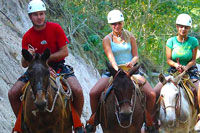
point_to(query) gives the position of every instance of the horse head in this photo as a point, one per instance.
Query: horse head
(39, 76)
(170, 99)
(124, 94)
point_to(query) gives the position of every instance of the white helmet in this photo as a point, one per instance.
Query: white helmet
(35, 6)
(184, 19)
(115, 16)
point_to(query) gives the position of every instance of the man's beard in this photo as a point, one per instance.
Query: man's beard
(39, 26)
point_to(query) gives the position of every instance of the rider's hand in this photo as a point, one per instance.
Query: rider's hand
(31, 50)
(185, 68)
(179, 67)
(129, 64)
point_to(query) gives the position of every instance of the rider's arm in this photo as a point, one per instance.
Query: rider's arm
(61, 53)
(193, 61)
(109, 53)
(169, 58)
(134, 51)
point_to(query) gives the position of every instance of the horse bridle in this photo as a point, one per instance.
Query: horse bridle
(55, 97)
(118, 103)
(177, 106)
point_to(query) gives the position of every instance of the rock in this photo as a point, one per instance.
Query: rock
(14, 22)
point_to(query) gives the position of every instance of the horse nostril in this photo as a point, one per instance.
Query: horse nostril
(125, 117)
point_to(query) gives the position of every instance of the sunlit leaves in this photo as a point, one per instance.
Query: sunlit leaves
(151, 21)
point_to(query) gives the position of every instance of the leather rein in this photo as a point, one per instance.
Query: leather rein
(131, 102)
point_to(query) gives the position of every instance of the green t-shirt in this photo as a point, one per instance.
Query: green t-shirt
(180, 50)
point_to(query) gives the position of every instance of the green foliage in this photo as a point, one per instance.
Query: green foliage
(151, 21)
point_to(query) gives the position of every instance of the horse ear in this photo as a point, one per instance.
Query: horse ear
(111, 69)
(27, 56)
(133, 70)
(162, 79)
(45, 55)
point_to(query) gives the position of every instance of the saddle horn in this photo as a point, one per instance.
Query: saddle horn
(178, 78)
(133, 69)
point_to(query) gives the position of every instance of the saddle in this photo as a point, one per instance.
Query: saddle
(189, 87)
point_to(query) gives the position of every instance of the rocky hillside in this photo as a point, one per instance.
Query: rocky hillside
(14, 22)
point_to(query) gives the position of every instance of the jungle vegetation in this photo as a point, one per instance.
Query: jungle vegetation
(151, 21)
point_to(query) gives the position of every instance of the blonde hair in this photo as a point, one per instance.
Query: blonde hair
(126, 35)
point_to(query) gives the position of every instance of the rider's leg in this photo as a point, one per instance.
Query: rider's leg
(150, 93)
(70, 78)
(150, 101)
(157, 89)
(16, 91)
(197, 126)
(14, 96)
(96, 91)
(78, 99)
(95, 94)
(197, 86)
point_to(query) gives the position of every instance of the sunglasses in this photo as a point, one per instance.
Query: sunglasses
(117, 23)
(183, 26)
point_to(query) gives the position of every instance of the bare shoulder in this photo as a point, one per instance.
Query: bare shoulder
(132, 38)
(106, 39)
(130, 34)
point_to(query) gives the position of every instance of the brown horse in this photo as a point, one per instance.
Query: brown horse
(121, 110)
(44, 109)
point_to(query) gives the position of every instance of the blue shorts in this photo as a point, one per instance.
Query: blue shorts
(65, 70)
(107, 74)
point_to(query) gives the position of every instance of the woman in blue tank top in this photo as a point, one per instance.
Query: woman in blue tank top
(120, 47)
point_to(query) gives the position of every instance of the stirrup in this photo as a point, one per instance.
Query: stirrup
(89, 128)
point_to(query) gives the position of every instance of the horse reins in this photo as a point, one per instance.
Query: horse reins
(124, 101)
(55, 97)
(57, 93)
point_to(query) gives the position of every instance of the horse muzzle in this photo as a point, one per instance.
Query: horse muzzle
(40, 101)
(41, 105)
(125, 110)
(171, 124)
(124, 116)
